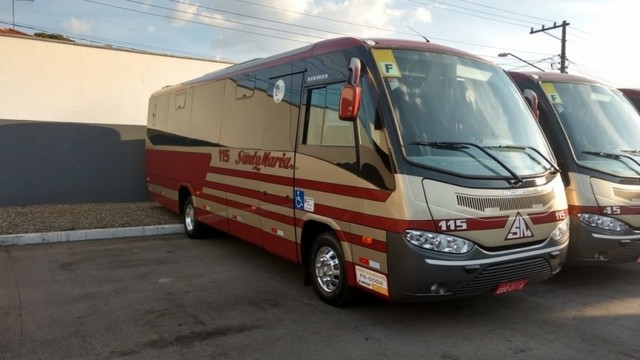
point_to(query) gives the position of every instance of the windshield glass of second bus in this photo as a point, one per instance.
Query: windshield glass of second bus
(602, 126)
(462, 116)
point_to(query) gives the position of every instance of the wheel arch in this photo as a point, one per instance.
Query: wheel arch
(184, 191)
(310, 231)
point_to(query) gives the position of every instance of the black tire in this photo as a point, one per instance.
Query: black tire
(192, 226)
(328, 271)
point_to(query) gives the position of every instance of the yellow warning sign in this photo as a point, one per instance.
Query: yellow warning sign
(386, 63)
(551, 92)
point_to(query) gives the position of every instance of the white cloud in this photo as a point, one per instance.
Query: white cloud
(185, 12)
(78, 26)
(151, 29)
(307, 22)
(421, 15)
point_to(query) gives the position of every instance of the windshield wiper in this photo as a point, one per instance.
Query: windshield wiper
(613, 156)
(632, 152)
(452, 145)
(524, 149)
(441, 144)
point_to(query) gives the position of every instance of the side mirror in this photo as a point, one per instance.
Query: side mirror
(351, 93)
(354, 71)
(349, 102)
(532, 100)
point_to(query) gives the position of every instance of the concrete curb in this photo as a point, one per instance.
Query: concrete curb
(94, 234)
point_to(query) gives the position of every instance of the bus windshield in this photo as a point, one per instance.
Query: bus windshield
(462, 116)
(602, 126)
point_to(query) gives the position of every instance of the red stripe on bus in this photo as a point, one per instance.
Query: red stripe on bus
(548, 217)
(341, 189)
(487, 223)
(575, 209)
(605, 210)
(376, 245)
(191, 167)
(273, 179)
(254, 194)
(213, 198)
(170, 204)
(245, 232)
(164, 182)
(280, 246)
(284, 219)
(243, 206)
(373, 221)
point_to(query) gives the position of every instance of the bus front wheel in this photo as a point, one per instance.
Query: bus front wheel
(328, 271)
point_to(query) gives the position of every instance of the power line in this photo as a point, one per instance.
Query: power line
(249, 16)
(196, 22)
(507, 11)
(119, 44)
(220, 19)
(325, 18)
(464, 13)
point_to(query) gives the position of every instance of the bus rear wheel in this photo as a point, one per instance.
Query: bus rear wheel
(192, 226)
(328, 271)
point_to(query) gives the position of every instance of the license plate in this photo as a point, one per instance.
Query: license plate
(510, 287)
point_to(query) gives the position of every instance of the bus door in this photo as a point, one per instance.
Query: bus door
(326, 172)
(278, 141)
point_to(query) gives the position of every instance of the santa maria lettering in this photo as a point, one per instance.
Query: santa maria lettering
(264, 159)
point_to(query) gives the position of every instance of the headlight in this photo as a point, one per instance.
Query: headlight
(561, 230)
(438, 242)
(602, 222)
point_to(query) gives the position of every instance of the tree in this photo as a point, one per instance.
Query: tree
(52, 36)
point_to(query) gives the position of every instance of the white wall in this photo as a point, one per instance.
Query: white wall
(46, 80)
(73, 119)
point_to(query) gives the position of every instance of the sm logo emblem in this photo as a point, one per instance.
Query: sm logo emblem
(519, 229)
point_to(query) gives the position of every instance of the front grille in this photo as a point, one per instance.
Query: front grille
(480, 203)
(488, 280)
(629, 253)
(626, 194)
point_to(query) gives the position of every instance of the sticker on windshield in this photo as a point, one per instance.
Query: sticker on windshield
(387, 63)
(393, 83)
(552, 94)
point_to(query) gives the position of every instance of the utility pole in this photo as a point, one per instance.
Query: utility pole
(13, 11)
(563, 47)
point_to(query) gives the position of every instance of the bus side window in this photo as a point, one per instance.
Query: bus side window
(375, 162)
(325, 135)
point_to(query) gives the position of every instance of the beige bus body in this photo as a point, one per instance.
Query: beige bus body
(258, 151)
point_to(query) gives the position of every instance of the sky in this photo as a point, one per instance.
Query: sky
(601, 35)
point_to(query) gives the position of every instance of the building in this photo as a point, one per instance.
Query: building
(73, 118)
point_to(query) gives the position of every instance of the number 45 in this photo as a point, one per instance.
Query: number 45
(611, 210)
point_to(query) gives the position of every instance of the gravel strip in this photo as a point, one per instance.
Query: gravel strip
(65, 217)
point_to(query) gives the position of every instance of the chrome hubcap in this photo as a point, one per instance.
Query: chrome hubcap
(189, 218)
(328, 271)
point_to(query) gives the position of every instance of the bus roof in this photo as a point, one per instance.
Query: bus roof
(630, 92)
(324, 47)
(551, 77)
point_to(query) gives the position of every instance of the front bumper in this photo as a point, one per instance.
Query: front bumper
(592, 245)
(419, 275)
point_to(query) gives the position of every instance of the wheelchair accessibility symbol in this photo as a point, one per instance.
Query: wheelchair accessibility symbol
(304, 202)
(299, 199)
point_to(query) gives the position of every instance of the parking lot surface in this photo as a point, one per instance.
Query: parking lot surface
(168, 297)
